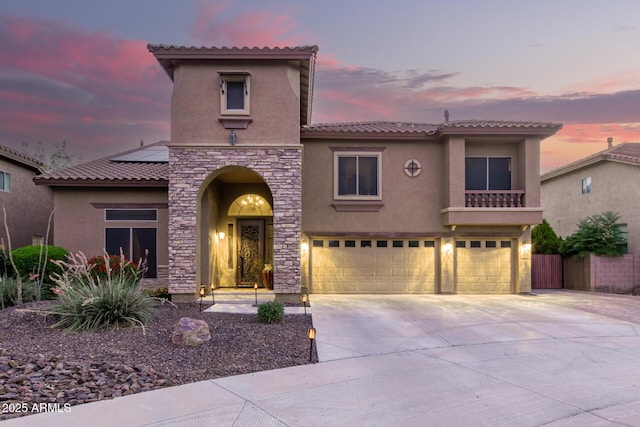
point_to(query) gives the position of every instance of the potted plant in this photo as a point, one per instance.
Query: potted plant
(267, 276)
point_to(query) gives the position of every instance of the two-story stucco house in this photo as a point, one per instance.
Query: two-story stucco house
(247, 180)
(605, 181)
(27, 206)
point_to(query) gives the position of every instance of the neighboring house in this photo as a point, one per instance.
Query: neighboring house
(247, 180)
(28, 206)
(605, 181)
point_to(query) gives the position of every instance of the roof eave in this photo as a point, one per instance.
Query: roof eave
(61, 182)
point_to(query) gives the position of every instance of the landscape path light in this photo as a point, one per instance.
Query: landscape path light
(213, 298)
(201, 296)
(312, 336)
(255, 287)
(304, 298)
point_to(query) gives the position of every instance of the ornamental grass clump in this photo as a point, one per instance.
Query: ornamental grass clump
(90, 302)
(270, 312)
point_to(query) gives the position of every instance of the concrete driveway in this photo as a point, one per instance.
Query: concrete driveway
(557, 359)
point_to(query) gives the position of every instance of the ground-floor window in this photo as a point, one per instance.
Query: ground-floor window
(133, 242)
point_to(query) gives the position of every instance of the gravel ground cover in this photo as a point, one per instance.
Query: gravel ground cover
(39, 364)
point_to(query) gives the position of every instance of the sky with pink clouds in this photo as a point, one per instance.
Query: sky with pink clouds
(79, 70)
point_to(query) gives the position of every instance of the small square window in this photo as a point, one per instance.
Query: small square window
(318, 243)
(429, 244)
(490, 244)
(476, 244)
(334, 243)
(586, 185)
(505, 244)
(381, 243)
(365, 243)
(349, 243)
(461, 244)
(414, 244)
(5, 181)
(398, 244)
(234, 93)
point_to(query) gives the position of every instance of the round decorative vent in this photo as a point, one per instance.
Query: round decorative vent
(412, 167)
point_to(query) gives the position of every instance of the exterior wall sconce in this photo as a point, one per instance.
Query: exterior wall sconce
(525, 251)
(201, 296)
(232, 137)
(213, 298)
(304, 247)
(312, 336)
(221, 235)
(447, 249)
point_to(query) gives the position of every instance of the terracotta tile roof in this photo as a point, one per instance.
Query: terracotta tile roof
(380, 128)
(20, 158)
(107, 172)
(395, 129)
(628, 152)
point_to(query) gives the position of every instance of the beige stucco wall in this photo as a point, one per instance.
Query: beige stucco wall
(28, 206)
(81, 227)
(410, 204)
(274, 104)
(613, 189)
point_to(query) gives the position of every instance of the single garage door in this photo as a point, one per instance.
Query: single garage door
(386, 266)
(483, 266)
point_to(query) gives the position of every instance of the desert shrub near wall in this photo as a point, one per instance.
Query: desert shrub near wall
(89, 303)
(9, 292)
(270, 312)
(158, 293)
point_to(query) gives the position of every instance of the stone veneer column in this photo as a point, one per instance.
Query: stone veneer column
(281, 169)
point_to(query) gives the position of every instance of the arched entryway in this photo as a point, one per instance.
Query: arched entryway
(236, 228)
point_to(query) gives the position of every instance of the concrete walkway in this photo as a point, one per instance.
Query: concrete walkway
(556, 359)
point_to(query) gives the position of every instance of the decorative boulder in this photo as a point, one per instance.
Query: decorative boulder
(190, 332)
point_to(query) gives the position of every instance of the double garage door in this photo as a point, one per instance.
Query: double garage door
(408, 266)
(372, 266)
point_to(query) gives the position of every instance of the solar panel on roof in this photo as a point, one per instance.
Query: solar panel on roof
(155, 154)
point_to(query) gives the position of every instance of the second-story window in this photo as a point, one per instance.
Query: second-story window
(357, 175)
(586, 185)
(488, 173)
(234, 93)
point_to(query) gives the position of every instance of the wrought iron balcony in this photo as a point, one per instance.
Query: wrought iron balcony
(494, 199)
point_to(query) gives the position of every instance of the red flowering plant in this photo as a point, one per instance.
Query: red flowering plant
(106, 267)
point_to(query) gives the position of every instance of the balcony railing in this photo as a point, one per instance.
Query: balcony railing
(494, 199)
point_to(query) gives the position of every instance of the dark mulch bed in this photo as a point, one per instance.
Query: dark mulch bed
(39, 364)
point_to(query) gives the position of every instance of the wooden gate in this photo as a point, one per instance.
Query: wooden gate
(546, 271)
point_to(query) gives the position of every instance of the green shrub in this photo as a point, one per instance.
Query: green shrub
(27, 260)
(162, 293)
(597, 234)
(9, 291)
(88, 303)
(545, 240)
(270, 312)
(118, 265)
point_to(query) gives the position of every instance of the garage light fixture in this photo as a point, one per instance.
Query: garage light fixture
(525, 251)
(447, 249)
(304, 247)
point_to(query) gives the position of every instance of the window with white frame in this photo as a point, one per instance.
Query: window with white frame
(5, 181)
(357, 175)
(134, 242)
(234, 93)
(586, 185)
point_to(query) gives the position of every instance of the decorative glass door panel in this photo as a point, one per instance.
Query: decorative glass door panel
(250, 252)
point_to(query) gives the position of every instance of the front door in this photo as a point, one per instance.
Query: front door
(251, 251)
